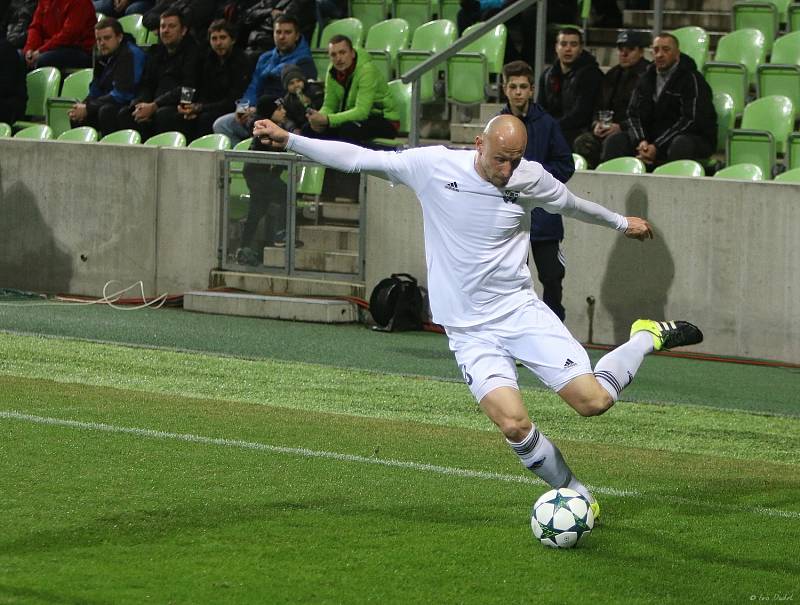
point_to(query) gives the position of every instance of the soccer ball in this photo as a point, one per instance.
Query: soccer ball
(561, 517)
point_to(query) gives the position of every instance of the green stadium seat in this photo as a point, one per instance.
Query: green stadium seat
(152, 38)
(793, 17)
(783, 9)
(5, 129)
(763, 16)
(217, 142)
(726, 118)
(741, 172)
(310, 178)
(733, 69)
(74, 89)
(467, 78)
(781, 76)
(492, 45)
(369, 12)
(790, 176)
(123, 137)
(167, 139)
(384, 40)
(765, 127)
(681, 168)
(42, 84)
(350, 27)
(415, 12)
(580, 162)
(427, 40)
(793, 151)
(41, 132)
(132, 24)
(81, 134)
(627, 165)
(694, 41)
(401, 93)
(448, 9)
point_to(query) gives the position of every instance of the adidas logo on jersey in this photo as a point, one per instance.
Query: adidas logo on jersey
(569, 363)
(452, 186)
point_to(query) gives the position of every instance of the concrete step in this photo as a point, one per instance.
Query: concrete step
(272, 307)
(341, 211)
(313, 260)
(329, 237)
(465, 133)
(708, 20)
(489, 110)
(698, 5)
(284, 285)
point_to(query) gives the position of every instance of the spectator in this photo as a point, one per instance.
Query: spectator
(618, 85)
(16, 20)
(547, 146)
(671, 115)
(301, 94)
(13, 90)
(61, 34)
(569, 87)
(119, 8)
(196, 15)
(472, 11)
(117, 72)
(358, 105)
(171, 64)
(290, 47)
(260, 20)
(223, 79)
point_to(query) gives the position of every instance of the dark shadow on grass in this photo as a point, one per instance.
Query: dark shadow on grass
(26, 595)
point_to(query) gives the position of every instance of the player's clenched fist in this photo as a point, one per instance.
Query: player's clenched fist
(270, 134)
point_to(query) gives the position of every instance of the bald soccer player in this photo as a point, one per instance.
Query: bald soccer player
(476, 206)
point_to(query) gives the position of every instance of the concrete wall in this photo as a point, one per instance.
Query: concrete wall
(726, 256)
(75, 216)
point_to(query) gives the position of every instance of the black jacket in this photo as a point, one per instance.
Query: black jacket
(116, 77)
(222, 82)
(685, 106)
(570, 98)
(165, 73)
(16, 19)
(257, 23)
(13, 91)
(618, 87)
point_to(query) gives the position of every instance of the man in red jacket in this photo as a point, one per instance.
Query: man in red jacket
(61, 34)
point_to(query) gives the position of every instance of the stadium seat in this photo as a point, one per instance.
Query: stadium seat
(415, 12)
(217, 142)
(172, 138)
(726, 118)
(783, 9)
(152, 38)
(580, 162)
(369, 12)
(384, 40)
(81, 134)
(5, 129)
(132, 24)
(467, 78)
(793, 17)
(741, 172)
(733, 69)
(766, 125)
(74, 89)
(42, 84)
(693, 41)
(427, 40)
(763, 16)
(402, 100)
(310, 178)
(492, 45)
(680, 168)
(781, 76)
(448, 9)
(790, 176)
(793, 151)
(41, 132)
(123, 137)
(627, 165)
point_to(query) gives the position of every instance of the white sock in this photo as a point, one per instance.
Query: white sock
(616, 369)
(543, 458)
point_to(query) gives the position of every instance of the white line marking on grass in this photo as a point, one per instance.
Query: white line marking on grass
(307, 453)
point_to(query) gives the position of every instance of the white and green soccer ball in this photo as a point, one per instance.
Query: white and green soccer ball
(561, 518)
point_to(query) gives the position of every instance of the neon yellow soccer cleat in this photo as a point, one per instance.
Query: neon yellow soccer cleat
(595, 506)
(669, 334)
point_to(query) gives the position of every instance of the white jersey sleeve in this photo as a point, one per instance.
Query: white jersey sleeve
(411, 167)
(540, 188)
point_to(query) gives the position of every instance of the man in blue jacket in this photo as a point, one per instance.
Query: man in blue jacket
(118, 70)
(546, 145)
(290, 48)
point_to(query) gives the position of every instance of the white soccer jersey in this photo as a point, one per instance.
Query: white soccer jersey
(476, 235)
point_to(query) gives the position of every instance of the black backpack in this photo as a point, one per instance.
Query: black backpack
(397, 303)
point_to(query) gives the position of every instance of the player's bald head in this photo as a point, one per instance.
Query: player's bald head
(500, 148)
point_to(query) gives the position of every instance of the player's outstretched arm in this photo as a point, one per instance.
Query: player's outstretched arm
(638, 228)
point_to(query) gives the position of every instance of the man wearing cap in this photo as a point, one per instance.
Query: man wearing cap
(617, 90)
(671, 115)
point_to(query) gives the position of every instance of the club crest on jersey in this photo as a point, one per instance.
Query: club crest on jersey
(510, 197)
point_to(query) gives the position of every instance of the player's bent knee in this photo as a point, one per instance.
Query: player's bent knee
(595, 406)
(585, 395)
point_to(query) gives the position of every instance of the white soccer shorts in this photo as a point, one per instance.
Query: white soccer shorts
(487, 353)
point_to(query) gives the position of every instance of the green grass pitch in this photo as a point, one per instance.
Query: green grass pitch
(136, 475)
